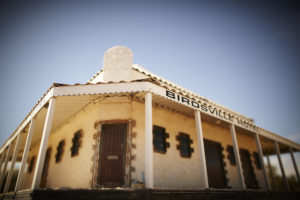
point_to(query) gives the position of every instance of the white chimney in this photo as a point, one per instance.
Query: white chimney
(117, 65)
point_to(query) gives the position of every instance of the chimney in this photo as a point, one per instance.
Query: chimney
(117, 65)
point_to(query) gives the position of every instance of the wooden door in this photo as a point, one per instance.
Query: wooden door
(214, 162)
(45, 168)
(249, 176)
(112, 155)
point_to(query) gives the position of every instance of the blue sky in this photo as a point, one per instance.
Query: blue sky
(241, 54)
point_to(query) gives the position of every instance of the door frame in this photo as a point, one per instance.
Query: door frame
(96, 148)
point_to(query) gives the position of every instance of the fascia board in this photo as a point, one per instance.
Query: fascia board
(109, 88)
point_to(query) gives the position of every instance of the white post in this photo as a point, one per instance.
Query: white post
(25, 156)
(1, 161)
(261, 159)
(43, 146)
(12, 165)
(237, 157)
(203, 167)
(149, 182)
(9, 150)
(295, 164)
(281, 166)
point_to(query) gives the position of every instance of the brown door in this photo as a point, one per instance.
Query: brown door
(112, 155)
(45, 168)
(214, 162)
(249, 176)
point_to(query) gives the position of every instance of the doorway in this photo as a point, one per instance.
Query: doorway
(214, 163)
(112, 155)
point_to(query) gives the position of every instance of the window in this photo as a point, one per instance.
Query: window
(184, 145)
(31, 164)
(159, 139)
(59, 151)
(76, 143)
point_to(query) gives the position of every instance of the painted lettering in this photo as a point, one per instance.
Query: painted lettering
(230, 118)
(185, 100)
(221, 114)
(212, 110)
(195, 104)
(170, 94)
(204, 107)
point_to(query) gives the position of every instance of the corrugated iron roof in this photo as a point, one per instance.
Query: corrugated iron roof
(153, 79)
(184, 91)
(178, 89)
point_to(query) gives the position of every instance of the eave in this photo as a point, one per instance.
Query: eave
(86, 93)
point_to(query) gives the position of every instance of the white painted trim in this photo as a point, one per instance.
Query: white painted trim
(25, 156)
(261, 160)
(12, 165)
(9, 151)
(149, 179)
(43, 146)
(295, 164)
(109, 88)
(237, 157)
(281, 166)
(201, 149)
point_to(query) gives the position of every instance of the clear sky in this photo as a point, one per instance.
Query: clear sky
(244, 55)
